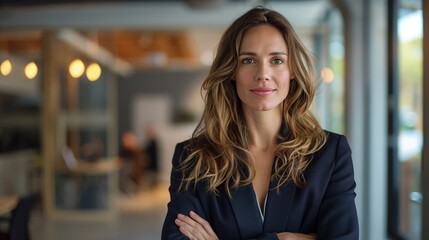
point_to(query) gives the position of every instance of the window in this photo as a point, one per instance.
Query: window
(405, 119)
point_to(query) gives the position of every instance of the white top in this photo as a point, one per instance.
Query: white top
(261, 211)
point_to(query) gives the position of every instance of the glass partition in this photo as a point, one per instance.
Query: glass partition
(405, 120)
(410, 139)
(85, 179)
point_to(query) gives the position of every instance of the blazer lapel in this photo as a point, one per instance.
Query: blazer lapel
(279, 203)
(244, 205)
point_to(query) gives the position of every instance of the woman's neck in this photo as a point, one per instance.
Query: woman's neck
(263, 128)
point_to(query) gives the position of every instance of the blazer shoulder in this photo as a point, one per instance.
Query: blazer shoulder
(180, 152)
(335, 139)
(333, 135)
(336, 144)
(180, 146)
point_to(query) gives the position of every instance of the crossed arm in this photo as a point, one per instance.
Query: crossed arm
(197, 228)
(183, 210)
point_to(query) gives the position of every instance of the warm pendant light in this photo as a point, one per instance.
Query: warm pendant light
(93, 72)
(5, 67)
(76, 68)
(31, 70)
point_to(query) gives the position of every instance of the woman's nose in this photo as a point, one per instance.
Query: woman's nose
(262, 72)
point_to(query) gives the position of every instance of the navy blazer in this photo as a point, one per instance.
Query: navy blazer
(325, 206)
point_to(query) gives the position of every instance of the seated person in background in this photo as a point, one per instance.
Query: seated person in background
(131, 158)
(151, 150)
(93, 150)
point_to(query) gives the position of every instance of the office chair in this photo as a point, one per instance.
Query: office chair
(19, 219)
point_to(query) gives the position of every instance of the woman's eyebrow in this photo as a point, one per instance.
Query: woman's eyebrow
(254, 54)
(247, 53)
(279, 53)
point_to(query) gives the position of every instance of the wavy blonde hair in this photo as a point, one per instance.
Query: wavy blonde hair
(218, 152)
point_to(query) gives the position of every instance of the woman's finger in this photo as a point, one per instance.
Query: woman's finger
(184, 228)
(187, 233)
(190, 228)
(204, 224)
(195, 227)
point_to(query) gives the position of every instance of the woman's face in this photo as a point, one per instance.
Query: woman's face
(262, 75)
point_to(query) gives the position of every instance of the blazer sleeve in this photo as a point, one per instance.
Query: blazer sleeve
(337, 217)
(180, 201)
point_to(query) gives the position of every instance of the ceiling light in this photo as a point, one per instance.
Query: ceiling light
(5, 67)
(93, 72)
(31, 70)
(76, 68)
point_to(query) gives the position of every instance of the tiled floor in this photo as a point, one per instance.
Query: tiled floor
(141, 217)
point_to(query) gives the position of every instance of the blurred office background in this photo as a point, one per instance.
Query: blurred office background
(76, 76)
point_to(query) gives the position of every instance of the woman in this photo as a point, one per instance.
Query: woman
(259, 166)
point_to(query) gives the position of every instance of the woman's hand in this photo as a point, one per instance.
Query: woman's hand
(296, 236)
(195, 227)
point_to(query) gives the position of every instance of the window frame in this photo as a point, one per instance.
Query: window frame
(393, 214)
(393, 125)
(425, 154)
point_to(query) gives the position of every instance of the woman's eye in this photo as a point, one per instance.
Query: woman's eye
(278, 61)
(247, 61)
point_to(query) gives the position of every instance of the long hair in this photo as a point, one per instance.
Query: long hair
(217, 152)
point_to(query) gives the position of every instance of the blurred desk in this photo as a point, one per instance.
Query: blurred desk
(7, 204)
(102, 166)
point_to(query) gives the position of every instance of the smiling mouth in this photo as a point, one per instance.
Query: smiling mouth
(262, 92)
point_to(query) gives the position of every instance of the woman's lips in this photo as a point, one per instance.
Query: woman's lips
(262, 91)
